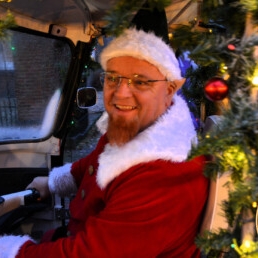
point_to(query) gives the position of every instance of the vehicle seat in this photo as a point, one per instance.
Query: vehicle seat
(214, 215)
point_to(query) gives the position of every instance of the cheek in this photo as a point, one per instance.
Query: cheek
(162, 103)
(153, 108)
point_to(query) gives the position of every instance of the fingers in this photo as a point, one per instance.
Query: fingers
(41, 184)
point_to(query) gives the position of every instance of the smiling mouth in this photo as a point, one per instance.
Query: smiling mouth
(125, 107)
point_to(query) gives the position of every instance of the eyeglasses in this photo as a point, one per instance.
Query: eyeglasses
(137, 82)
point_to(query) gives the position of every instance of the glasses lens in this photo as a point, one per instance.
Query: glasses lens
(109, 79)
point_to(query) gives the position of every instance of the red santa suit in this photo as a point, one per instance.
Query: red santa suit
(141, 199)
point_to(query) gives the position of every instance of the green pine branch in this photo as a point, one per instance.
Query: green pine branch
(7, 23)
(215, 243)
(119, 17)
(233, 145)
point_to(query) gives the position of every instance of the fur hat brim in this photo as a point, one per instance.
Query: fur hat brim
(146, 46)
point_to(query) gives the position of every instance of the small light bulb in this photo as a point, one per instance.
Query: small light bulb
(247, 244)
(255, 80)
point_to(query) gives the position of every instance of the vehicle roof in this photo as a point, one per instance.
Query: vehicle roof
(74, 15)
(81, 18)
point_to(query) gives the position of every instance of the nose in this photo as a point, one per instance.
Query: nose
(124, 89)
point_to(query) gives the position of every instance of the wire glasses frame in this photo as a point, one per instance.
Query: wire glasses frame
(113, 81)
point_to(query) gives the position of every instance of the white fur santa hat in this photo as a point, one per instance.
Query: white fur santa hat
(146, 40)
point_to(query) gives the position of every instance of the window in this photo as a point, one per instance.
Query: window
(33, 70)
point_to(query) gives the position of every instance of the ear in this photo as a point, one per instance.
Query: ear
(178, 83)
(175, 85)
(172, 88)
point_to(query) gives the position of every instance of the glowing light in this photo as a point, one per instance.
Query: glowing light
(255, 80)
(231, 47)
(254, 204)
(235, 154)
(247, 244)
(248, 247)
(223, 68)
(255, 76)
(226, 76)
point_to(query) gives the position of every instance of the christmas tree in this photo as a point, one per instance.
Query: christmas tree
(223, 43)
(226, 46)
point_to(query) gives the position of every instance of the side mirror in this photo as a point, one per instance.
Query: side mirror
(86, 97)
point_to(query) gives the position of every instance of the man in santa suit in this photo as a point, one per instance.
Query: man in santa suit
(137, 195)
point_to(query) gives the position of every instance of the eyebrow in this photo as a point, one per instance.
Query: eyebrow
(140, 76)
(108, 71)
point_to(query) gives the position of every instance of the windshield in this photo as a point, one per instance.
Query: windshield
(33, 69)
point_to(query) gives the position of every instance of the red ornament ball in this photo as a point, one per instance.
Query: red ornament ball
(216, 89)
(231, 47)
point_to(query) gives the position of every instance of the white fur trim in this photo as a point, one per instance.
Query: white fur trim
(146, 46)
(102, 122)
(10, 245)
(61, 181)
(170, 138)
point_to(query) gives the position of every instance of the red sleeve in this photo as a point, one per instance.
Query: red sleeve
(150, 211)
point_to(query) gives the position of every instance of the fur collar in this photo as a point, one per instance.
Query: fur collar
(170, 138)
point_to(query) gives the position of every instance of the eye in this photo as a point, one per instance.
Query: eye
(112, 78)
(140, 82)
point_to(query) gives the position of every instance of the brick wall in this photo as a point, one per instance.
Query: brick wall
(38, 72)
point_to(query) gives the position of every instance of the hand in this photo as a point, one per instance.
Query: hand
(41, 184)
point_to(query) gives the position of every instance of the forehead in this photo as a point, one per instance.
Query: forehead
(131, 65)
